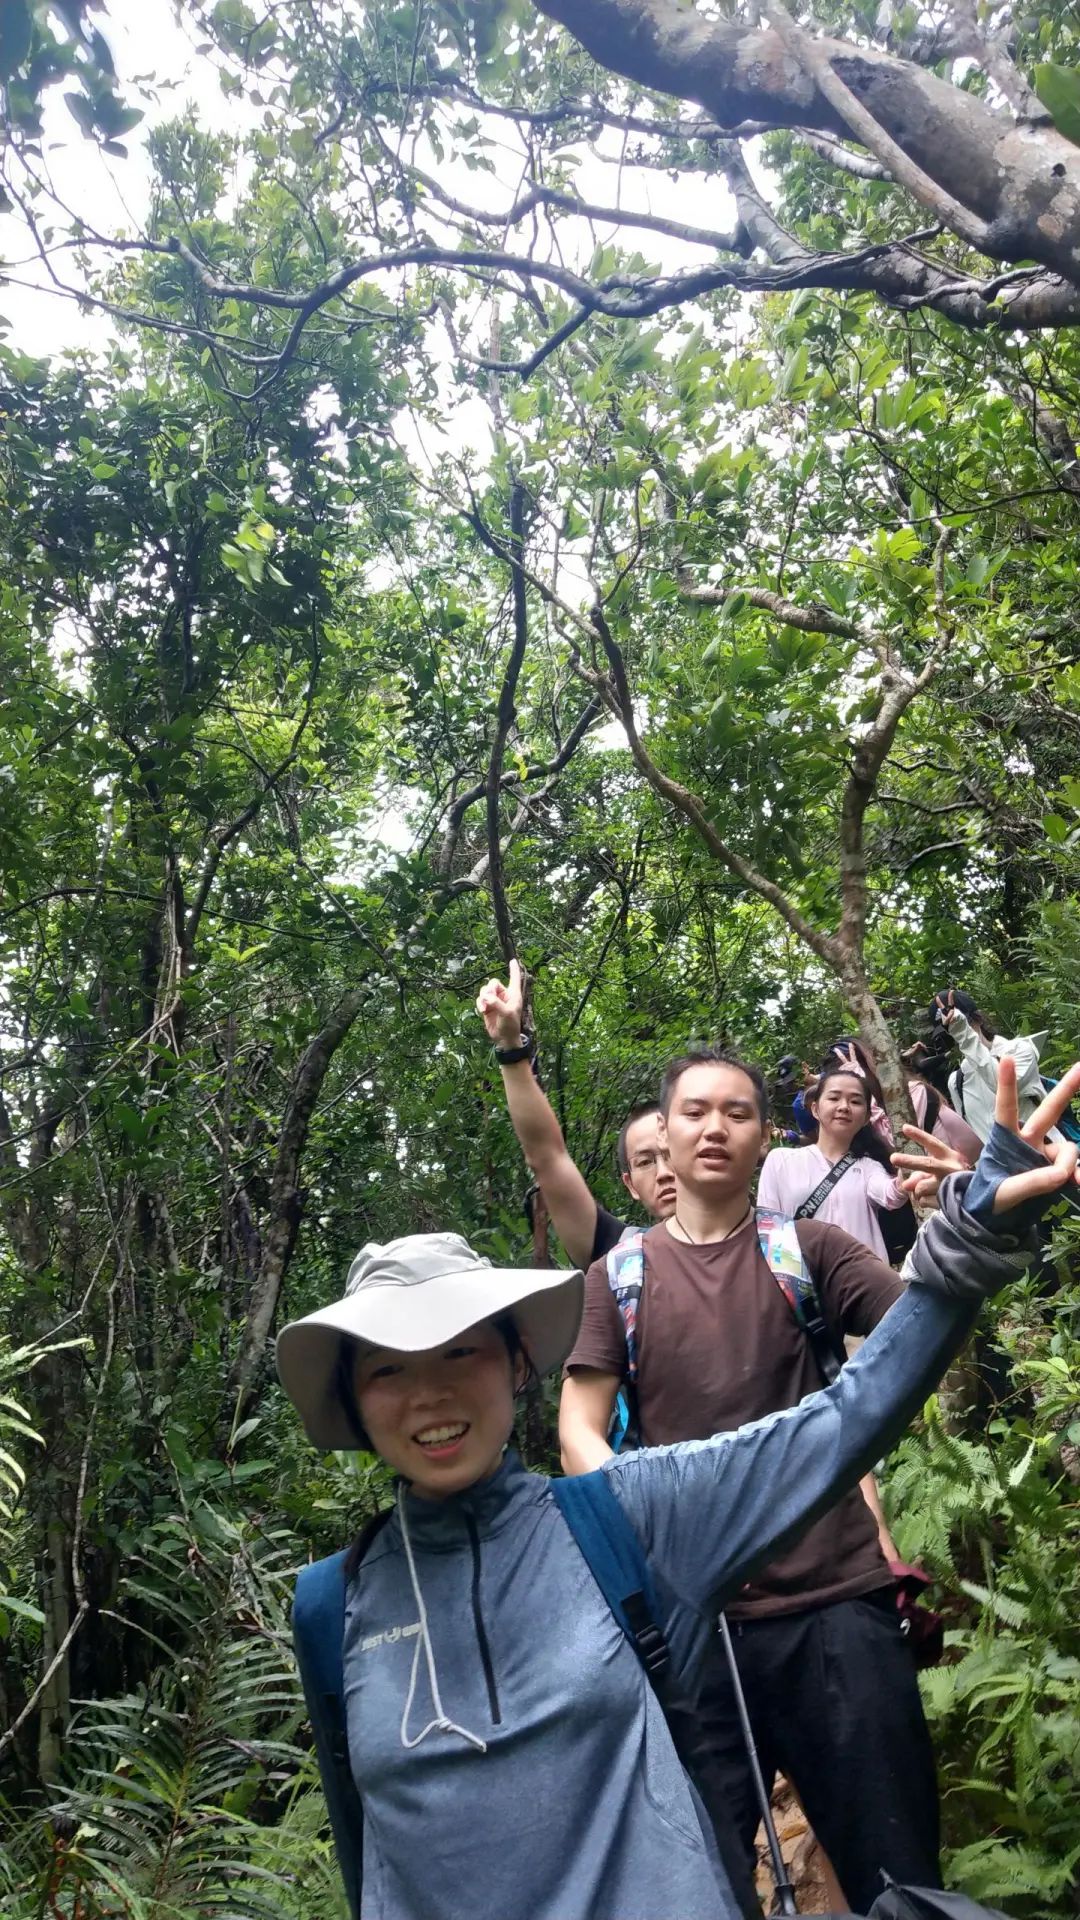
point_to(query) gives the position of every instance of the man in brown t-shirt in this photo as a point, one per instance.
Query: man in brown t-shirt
(829, 1679)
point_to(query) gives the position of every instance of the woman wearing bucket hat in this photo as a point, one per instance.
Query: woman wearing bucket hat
(488, 1737)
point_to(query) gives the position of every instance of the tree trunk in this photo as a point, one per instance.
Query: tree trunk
(286, 1197)
(878, 1038)
(55, 1705)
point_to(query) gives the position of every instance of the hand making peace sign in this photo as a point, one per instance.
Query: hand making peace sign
(924, 1172)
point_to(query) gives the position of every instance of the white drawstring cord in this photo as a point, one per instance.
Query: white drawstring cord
(440, 1722)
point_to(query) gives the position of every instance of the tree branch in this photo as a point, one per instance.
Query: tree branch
(862, 123)
(225, 835)
(1018, 188)
(286, 1203)
(691, 808)
(814, 619)
(540, 770)
(504, 720)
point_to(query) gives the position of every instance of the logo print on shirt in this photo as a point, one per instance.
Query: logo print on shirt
(388, 1639)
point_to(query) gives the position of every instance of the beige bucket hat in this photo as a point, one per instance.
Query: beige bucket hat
(415, 1293)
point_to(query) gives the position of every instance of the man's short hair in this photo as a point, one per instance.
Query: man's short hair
(714, 1057)
(640, 1112)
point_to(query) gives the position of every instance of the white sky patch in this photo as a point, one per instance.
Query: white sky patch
(112, 196)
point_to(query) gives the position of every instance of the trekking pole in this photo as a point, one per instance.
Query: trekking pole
(785, 1892)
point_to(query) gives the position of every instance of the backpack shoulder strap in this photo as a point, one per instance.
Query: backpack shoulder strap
(318, 1635)
(609, 1544)
(318, 1622)
(616, 1559)
(778, 1239)
(626, 1277)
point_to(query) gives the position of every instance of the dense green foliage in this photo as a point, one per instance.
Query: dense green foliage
(253, 653)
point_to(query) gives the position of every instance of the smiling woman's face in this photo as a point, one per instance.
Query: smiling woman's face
(842, 1106)
(440, 1418)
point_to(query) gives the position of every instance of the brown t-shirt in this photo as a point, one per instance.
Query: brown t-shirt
(718, 1345)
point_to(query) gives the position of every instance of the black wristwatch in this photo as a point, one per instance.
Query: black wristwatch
(509, 1056)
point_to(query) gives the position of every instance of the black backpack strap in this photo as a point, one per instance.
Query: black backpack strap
(817, 1199)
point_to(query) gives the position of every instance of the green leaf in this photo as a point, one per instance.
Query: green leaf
(82, 110)
(21, 1608)
(1059, 90)
(131, 1121)
(793, 374)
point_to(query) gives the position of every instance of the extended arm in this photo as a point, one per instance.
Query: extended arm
(569, 1202)
(711, 1511)
(977, 1061)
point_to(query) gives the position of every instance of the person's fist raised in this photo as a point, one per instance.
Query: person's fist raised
(501, 1008)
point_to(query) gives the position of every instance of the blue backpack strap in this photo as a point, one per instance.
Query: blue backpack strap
(626, 1278)
(779, 1242)
(609, 1544)
(616, 1559)
(318, 1620)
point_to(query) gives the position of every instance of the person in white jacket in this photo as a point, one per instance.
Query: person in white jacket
(973, 1084)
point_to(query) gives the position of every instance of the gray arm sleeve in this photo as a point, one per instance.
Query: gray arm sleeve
(709, 1512)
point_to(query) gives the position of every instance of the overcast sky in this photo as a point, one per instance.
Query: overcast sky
(112, 194)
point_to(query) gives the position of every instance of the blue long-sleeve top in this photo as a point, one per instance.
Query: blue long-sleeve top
(549, 1789)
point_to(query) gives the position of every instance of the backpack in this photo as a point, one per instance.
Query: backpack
(782, 1254)
(1067, 1123)
(612, 1551)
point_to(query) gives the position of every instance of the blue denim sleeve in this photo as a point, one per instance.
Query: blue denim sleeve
(996, 1162)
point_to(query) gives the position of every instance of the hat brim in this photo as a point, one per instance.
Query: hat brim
(545, 1304)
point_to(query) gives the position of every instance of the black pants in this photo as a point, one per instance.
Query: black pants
(834, 1704)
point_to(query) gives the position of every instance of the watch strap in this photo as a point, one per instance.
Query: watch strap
(509, 1056)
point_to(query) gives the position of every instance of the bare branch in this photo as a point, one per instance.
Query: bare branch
(542, 196)
(862, 123)
(538, 771)
(691, 808)
(286, 1198)
(1016, 191)
(814, 619)
(504, 720)
(842, 157)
